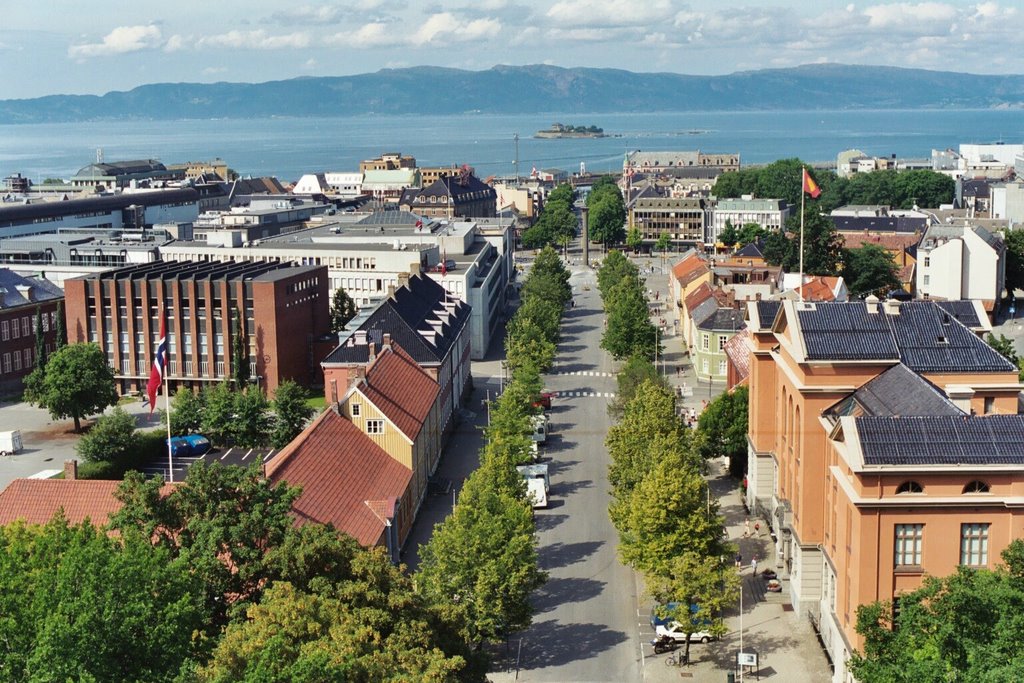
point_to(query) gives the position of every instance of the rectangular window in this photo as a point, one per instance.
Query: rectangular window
(723, 367)
(5, 330)
(15, 330)
(927, 261)
(356, 408)
(28, 357)
(908, 545)
(17, 361)
(46, 322)
(53, 319)
(707, 367)
(927, 279)
(974, 545)
(375, 426)
(7, 362)
(26, 325)
(705, 341)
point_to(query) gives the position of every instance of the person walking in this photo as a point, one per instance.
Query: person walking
(746, 528)
(753, 566)
(739, 560)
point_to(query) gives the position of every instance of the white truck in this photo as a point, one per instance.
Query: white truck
(537, 483)
(10, 442)
(540, 428)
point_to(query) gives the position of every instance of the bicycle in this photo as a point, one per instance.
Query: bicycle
(676, 659)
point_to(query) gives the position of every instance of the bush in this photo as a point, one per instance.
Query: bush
(110, 439)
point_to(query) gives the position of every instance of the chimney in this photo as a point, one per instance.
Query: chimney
(391, 291)
(403, 278)
(373, 351)
(71, 470)
(386, 344)
(334, 394)
(414, 268)
(871, 302)
(357, 375)
(892, 307)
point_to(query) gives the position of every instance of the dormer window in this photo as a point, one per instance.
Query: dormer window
(976, 486)
(909, 487)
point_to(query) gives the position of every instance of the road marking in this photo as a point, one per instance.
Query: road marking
(248, 453)
(267, 456)
(226, 453)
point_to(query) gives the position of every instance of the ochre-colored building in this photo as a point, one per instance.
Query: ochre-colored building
(884, 444)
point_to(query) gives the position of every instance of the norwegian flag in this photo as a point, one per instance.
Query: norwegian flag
(156, 373)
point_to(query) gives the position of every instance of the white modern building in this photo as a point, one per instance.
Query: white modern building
(961, 263)
(768, 213)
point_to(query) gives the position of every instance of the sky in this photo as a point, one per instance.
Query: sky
(75, 47)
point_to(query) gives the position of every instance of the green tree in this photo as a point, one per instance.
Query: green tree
(40, 361)
(330, 634)
(629, 330)
(1014, 260)
(80, 605)
(1004, 346)
(607, 220)
(723, 429)
(77, 383)
(708, 582)
(61, 337)
(634, 239)
(664, 242)
(823, 247)
(33, 382)
(252, 424)
(223, 522)
(528, 344)
(635, 371)
(291, 413)
(218, 413)
(111, 439)
(343, 309)
(870, 269)
(669, 513)
(729, 235)
(750, 232)
(963, 627)
(481, 563)
(240, 372)
(615, 268)
(186, 411)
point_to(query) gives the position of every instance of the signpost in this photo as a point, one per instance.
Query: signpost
(747, 661)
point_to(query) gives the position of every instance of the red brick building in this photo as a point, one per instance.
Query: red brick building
(283, 308)
(20, 297)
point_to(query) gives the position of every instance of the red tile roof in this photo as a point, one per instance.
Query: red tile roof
(691, 267)
(739, 353)
(853, 240)
(37, 500)
(347, 480)
(817, 289)
(400, 389)
(698, 296)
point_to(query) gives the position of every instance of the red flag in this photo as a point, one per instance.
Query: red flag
(156, 373)
(811, 187)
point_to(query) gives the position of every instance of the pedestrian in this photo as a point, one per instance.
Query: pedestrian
(746, 528)
(753, 565)
(739, 560)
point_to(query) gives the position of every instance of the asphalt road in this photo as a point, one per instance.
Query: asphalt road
(585, 626)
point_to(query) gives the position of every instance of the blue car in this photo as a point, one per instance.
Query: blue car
(191, 445)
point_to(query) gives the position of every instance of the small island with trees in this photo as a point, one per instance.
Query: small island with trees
(558, 130)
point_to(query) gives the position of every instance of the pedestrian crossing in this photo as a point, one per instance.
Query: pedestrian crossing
(583, 373)
(584, 394)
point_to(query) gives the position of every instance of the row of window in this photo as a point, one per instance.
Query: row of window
(973, 545)
(15, 361)
(14, 328)
(705, 342)
(912, 486)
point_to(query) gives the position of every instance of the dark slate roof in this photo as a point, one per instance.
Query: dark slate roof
(41, 290)
(942, 440)
(754, 249)
(115, 168)
(766, 312)
(963, 311)
(931, 341)
(409, 317)
(908, 224)
(724, 319)
(846, 331)
(897, 391)
(10, 214)
(925, 337)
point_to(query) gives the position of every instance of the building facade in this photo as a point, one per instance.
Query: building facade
(770, 214)
(684, 220)
(957, 262)
(20, 299)
(462, 195)
(282, 309)
(871, 452)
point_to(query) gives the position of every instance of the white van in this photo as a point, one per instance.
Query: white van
(538, 484)
(540, 428)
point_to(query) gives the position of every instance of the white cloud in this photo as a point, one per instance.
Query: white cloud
(439, 28)
(213, 70)
(570, 14)
(174, 43)
(310, 64)
(901, 15)
(255, 40)
(119, 41)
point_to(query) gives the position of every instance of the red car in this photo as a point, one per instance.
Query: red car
(544, 401)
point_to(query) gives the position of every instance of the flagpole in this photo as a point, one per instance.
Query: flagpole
(803, 172)
(170, 450)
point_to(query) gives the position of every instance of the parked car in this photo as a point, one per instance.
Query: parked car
(191, 445)
(544, 401)
(668, 607)
(674, 631)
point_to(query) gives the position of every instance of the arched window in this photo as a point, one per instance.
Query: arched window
(976, 486)
(909, 487)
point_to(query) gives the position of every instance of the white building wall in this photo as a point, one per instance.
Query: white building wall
(940, 271)
(981, 269)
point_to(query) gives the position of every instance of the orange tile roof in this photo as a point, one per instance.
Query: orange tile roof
(816, 290)
(853, 240)
(37, 500)
(400, 389)
(739, 353)
(689, 269)
(347, 480)
(698, 296)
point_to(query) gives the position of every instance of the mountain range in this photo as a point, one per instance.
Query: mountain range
(536, 88)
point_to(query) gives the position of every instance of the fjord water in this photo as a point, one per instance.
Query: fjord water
(290, 147)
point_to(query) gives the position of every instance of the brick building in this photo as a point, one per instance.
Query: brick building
(20, 297)
(284, 309)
